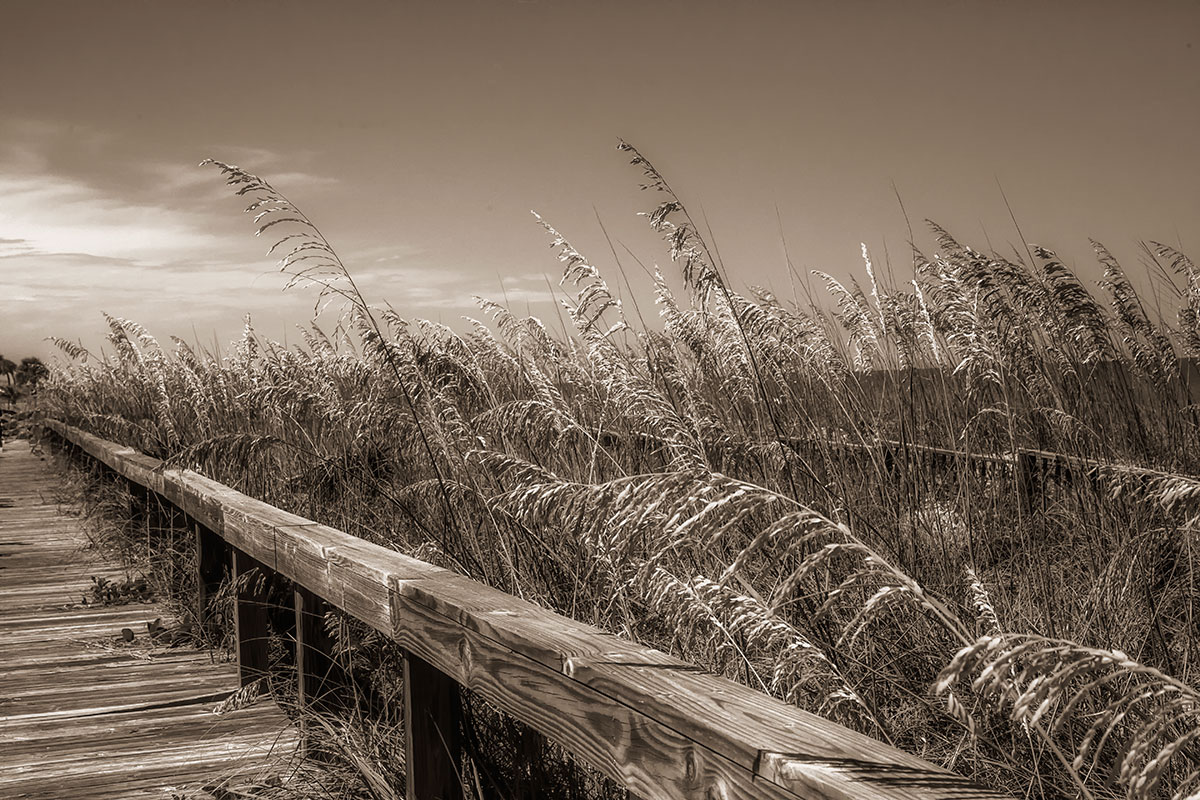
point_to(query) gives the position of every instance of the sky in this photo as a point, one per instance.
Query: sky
(419, 136)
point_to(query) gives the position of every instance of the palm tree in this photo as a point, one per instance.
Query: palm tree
(7, 368)
(31, 371)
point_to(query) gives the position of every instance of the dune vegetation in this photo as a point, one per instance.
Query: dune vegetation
(736, 478)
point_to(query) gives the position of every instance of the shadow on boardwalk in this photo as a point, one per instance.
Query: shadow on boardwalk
(82, 715)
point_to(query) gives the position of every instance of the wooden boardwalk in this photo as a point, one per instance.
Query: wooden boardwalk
(656, 725)
(84, 714)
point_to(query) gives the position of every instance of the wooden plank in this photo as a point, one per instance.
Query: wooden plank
(531, 754)
(779, 743)
(250, 524)
(212, 564)
(34, 739)
(665, 732)
(348, 572)
(432, 746)
(149, 770)
(1080, 465)
(546, 637)
(82, 713)
(84, 700)
(198, 497)
(251, 616)
(625, 744)
(321, 683)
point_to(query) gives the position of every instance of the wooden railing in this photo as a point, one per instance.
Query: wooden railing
(654, 724)
(1033, 470)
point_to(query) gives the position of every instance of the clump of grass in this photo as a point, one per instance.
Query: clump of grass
(106, 592)
(745, 485)
(158, 560)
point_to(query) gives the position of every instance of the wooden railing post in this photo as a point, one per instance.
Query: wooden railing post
(251, 582)
(432, 713)
(531, 752)
(211, 560)
(139, 503)
(319, 677)
(889, 461)
(1027, 480)
(160, 514)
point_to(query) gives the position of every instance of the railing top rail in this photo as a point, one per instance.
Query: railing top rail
(1076, 462)
(650, 721)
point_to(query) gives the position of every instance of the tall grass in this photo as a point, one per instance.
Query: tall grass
(678, 483)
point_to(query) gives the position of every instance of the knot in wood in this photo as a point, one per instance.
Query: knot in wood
(464, 655)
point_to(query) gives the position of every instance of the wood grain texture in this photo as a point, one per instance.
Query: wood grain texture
(82, 713)
(212, 566)
(432, 720)
(319, 676)
(530, 751)
(631, 747)
(655, 724)
(251, 616)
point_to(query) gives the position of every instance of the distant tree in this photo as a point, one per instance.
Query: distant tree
(7, 368)
(10, 394)
(31, 371)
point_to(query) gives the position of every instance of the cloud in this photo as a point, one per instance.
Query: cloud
(56, 214)
(14, 247)
(62, 280)
(86, 225)
(167, 181)
(63, 294)
(75, 189)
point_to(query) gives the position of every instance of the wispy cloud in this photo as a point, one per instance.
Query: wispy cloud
(58, 214)
(86, 225)
(74, 282)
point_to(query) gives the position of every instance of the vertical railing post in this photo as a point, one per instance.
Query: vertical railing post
(889, 461)
(530, 754)
(319, 677)
(251, 581)
(139, 503)
(160, 516)
(212, 558)
(432, 713)
(1027, 480)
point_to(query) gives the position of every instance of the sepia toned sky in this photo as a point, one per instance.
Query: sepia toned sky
(420, 135)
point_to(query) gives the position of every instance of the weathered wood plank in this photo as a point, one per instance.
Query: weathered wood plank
(252, 627)
(82, 713)
(174, 723)
(321, 683)
(146, 768)
(630, 747)
(432, 748)
(212, 565)
(346, 571)
(529, 629)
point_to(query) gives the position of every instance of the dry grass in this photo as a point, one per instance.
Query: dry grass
(648, 480)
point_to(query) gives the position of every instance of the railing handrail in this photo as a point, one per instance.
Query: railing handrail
(653, 723)
(1007, 459)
